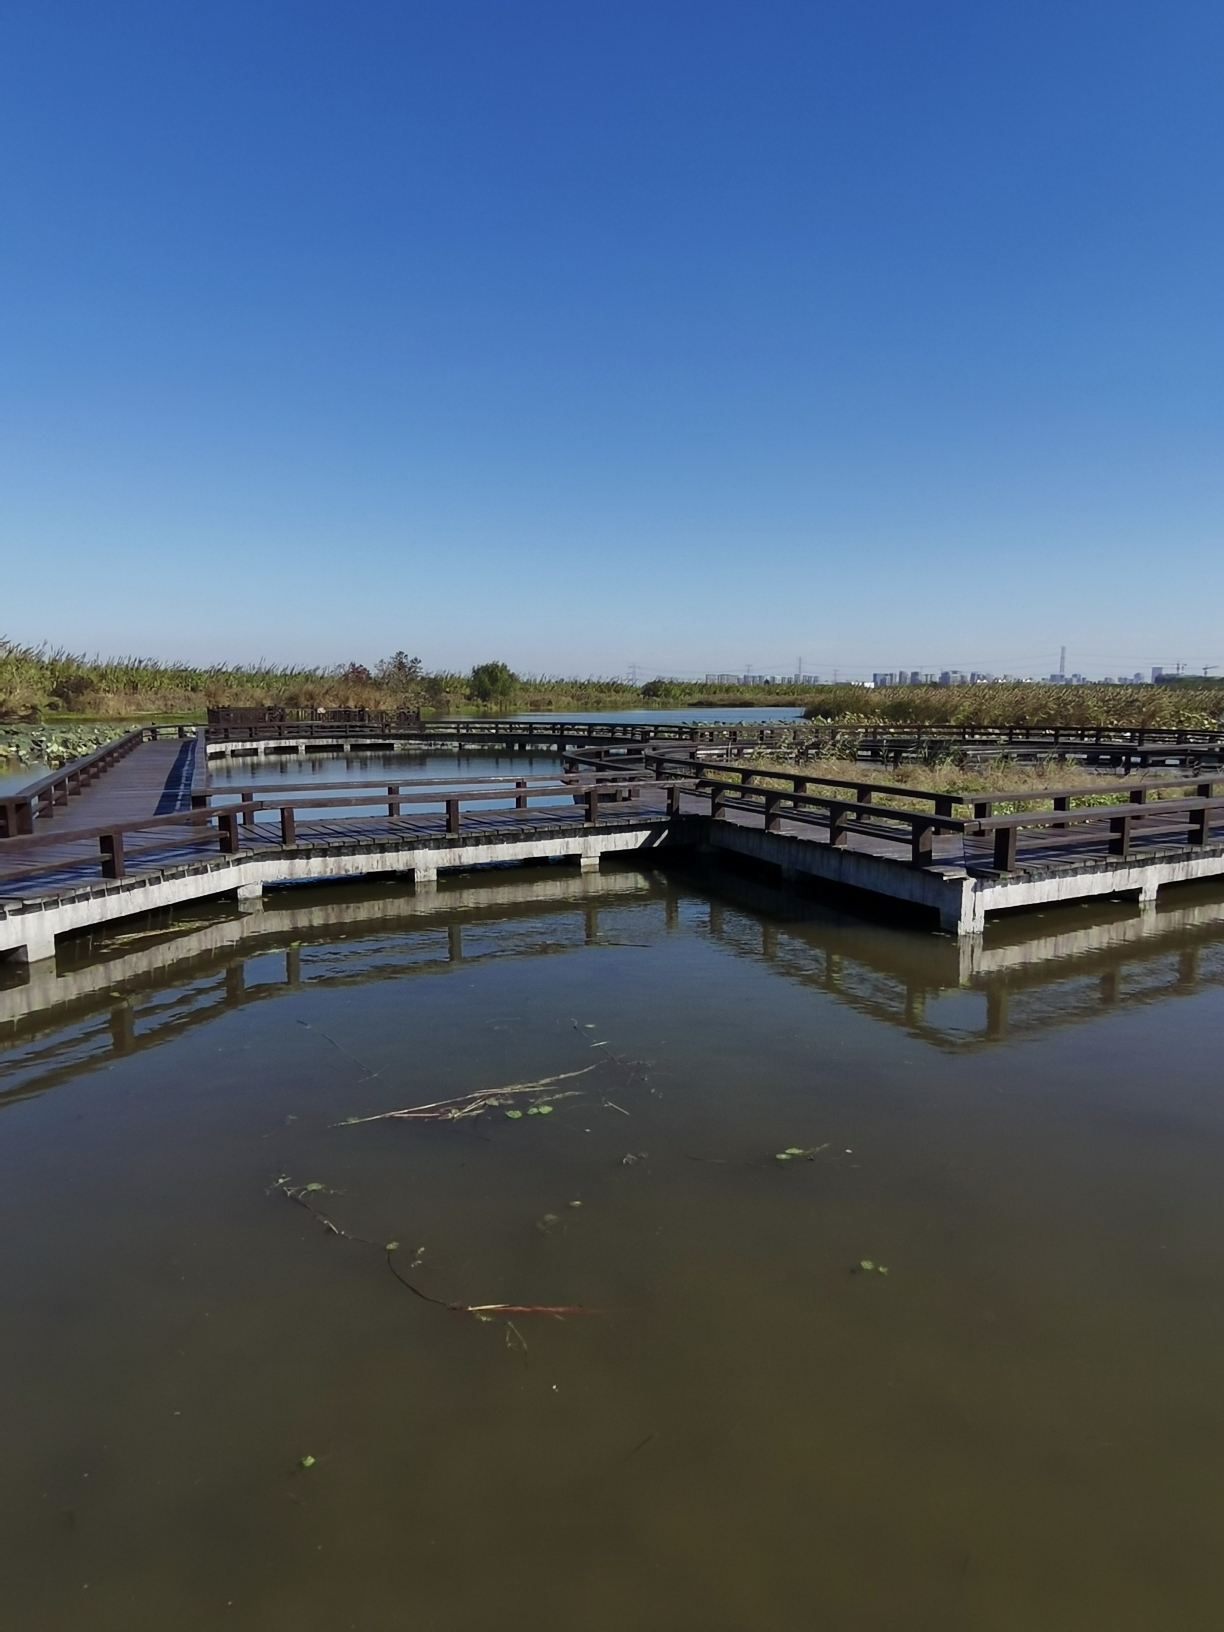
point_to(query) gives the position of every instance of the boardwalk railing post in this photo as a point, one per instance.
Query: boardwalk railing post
(1005, 849)
(520, 798)
(111, 846)
(452, 815)
(592, 805)
(1120, 835)
(718, 803)
(1199, 824)
(393, 804)
(839, 824)
(288, 827)
(922, 850)
(772, 819)
(248, 814)
(227, 827)
(673, 799)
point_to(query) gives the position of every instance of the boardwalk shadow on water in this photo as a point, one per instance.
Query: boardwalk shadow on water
(225, 1410)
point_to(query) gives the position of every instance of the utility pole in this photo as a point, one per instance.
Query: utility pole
(1062, 662)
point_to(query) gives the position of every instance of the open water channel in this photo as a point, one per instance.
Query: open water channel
(223, 1406)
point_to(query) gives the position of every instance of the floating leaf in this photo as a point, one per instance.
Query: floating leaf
(514, 1115)
(533, 1110)
(575, 1204)
(311, 1188)
(392, 1246)
(783, 1156)
(308, 1461)
(866, 1263)
(793, 1150)
(544, 1110)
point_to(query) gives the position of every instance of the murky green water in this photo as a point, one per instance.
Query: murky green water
(1019, 1426)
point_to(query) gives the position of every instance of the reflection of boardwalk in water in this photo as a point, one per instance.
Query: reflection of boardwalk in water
(133, 990)
(973, 994)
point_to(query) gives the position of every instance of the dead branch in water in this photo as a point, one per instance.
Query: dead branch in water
(473, 1104)
(301, 1192)
(483, 1311)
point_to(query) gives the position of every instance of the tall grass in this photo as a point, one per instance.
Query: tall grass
(41, 683)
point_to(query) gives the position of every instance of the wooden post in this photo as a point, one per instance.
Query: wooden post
(839, 824)
(1005, 849)
(111, 846)
(1138, 796)
(452, 815)
(1061, 804)
(227, 827)
(248, 813)
(673, 799)
(943, 804)
(922, 842)
(1120, 834)
(393, 804)
(772, 819)
(718, 804)
(288, 827)
(592, 804)
(1200, 824)
(520, 798)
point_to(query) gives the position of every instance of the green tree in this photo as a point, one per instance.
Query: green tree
(493, 683)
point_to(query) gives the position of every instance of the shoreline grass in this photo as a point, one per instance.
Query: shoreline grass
(44, 685)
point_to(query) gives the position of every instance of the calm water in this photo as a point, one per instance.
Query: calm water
(1019, 1426)
(295, 770)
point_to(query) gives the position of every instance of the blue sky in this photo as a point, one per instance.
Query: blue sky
(582, 335)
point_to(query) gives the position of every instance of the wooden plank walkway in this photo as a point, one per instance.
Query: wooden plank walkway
(58, 868)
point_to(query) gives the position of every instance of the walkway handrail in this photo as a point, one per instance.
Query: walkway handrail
(982, 804)
(20, 809)
(866, 817)
(229, 818)
(233, 790)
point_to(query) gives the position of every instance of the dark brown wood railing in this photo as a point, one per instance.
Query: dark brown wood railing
(39, 801)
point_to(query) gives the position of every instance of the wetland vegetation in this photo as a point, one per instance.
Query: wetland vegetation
(39, 684)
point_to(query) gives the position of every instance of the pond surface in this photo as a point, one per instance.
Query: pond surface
(222, 1412)
(294, 770)
(14, 776)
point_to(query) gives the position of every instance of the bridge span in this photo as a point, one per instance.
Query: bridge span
(142, 829)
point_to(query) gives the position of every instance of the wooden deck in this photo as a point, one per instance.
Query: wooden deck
(148, 832)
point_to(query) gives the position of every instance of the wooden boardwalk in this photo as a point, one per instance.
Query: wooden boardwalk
(148, 834)
(153, 780)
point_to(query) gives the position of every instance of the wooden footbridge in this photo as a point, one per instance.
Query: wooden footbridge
(246, 733)
(137, 827)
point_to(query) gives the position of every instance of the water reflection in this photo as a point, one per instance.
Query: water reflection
(155, 978)
(1018, 1426)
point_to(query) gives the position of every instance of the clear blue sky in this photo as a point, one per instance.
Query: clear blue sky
(690, 335)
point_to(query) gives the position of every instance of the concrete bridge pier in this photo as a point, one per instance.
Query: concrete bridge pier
(39, 944)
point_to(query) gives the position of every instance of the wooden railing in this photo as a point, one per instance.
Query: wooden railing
(491, 732)
(40, 850)
(1117, 823)
(39, 801)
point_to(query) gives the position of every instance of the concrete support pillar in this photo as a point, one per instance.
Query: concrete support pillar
(424, 877)
(250, 897)
(962, 913)
(1147, 897)
(588, 864)
(39, 942)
